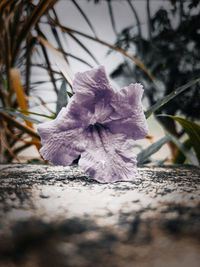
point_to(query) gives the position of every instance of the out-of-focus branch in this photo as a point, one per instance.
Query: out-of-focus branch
(112, 16)
(137, 62)
(149, 20)
(85, 17)
(138, 23)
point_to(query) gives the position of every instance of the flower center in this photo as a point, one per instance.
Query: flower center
(93, 120)
(96, 127)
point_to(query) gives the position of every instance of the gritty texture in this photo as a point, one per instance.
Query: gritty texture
(57, 216)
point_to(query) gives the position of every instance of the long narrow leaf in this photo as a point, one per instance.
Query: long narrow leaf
(34, 17)
(46, 68)
(77, 58)
(55, 33)
(21, 148)
(49, 68)
(29, 112)
(149, 20)
(8, 148)
(186, 152)
(4, 4)
(59, 60)
(28, 64)
(180, 156)
(136, 18)
(193, 131)
(138, 24)
(85, 17)
(19, 138)
(84, 48)
(112, 16)
(137, 62)
(169, 97)
(42, 103)
(56, 36)
(20, 126)
(62, 97)
(17, 86)
(7, 52)
(18, 150)
(16, 27)
(146, 153)
(19, 115)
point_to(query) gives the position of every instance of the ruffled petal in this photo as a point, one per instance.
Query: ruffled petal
(96, 124)
(62, 139)
(91, 82)
(93, 91)
(108, 157)
(128, 117)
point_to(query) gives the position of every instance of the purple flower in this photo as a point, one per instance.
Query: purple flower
(96, 125)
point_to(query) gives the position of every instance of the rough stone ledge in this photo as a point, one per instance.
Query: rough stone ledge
(58, 216)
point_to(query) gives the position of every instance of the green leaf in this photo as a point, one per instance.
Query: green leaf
(169, 97)
(193, 131)
(187, 153)
(180, 157)
(62, 98)
(18, 115)
(69, 94)
(28, 112)
(146, 153)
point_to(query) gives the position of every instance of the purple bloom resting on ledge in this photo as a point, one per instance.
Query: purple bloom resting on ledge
(96, 125)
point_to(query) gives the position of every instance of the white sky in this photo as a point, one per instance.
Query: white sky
(99, 16)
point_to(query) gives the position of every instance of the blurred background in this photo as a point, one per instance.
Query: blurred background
(154, 42)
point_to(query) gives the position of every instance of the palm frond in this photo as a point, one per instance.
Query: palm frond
(59, 60)
(85, 17)
(137, 62)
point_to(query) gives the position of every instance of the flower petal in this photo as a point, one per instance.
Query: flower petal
(108, 157)
(91, 82)
(128, 117)
(62, 139)
(92, 87)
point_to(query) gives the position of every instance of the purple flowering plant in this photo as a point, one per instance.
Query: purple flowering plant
(97, 125)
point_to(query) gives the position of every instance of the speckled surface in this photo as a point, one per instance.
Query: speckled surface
(57, 216)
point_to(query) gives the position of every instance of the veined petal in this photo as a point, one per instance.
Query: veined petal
(108, 157)
(128, 117)
(92, 87)
(91, 82)
(62, 139)
(96, 124)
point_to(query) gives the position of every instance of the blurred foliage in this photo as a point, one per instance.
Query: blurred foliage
(17, 20)
(170, 51)
(193, 131)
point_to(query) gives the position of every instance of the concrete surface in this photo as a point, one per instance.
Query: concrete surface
(58, 216)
